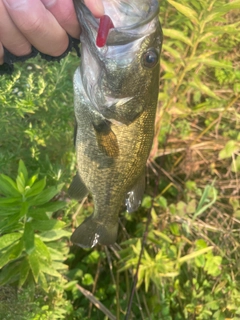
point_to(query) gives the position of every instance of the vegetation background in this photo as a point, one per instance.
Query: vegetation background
(189, 221)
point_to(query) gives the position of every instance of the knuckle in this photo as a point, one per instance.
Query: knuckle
(31, 26)
(67, 16)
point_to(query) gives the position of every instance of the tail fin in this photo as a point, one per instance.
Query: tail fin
(93, 231)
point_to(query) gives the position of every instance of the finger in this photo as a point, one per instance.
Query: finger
(65, 14)
(10, 37)
(1, 54)
(96, 7)
(38, 25)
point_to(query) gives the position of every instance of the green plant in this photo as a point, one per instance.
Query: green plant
(36, 104)
(29, 250)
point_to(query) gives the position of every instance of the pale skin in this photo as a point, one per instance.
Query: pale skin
(41, 23)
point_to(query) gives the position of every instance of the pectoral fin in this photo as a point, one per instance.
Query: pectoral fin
(135, 195)
(106, 138)
(77, 189)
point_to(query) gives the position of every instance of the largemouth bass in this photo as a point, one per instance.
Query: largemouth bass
(115, 97)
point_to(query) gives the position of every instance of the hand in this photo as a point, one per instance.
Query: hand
(41, 23)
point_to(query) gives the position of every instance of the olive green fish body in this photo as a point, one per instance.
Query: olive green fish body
(114, 133)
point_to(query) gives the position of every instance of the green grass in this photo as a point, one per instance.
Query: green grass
(189, 266)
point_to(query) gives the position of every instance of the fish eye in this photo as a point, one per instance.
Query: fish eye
(150, 58)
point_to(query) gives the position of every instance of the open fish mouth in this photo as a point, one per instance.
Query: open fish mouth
(128, 21)
(121, 38)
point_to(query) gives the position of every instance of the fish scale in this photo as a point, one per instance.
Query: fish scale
(115, 113)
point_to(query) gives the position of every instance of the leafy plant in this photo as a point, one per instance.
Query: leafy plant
(27, 230)
(35, 105)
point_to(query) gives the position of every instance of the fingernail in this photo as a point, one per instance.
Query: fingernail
(99, 7)
(16, 5)
(48, 3)
(96, 7)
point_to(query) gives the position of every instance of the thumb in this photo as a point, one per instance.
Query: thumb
(96, 7)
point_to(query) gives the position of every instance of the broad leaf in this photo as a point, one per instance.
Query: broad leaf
(11, 253)
(10, 201)
(8, 239)
(10, 273)
(36, 188)
(23, 170)
(28, 237)
(52, 206)
(54, 235)
(10, 211)
(45, 225)
(21, 183)
(43, 281)
(50, 270)
(32, 180)
(33, 259)
(24, 271)
(8, 187)
(42, 251)
(11, 224)
(45, 196)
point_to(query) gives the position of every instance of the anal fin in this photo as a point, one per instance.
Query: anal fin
(77, 189)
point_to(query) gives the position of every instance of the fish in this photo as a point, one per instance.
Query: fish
(116, 90)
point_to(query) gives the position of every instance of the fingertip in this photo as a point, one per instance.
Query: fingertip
(96, 7)
(15, 5)
(65, 14)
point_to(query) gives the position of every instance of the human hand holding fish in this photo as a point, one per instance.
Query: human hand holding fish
(44, 24)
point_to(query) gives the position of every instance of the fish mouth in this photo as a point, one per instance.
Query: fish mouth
(129, 33)
(122, 44)
(121, 34)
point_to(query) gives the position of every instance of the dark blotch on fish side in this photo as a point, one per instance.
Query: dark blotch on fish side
(106, 138)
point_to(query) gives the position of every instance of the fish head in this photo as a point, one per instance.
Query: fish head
(119, 75)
